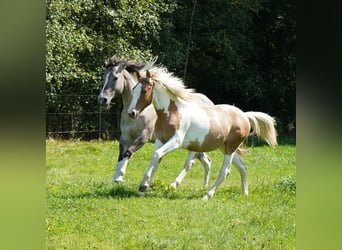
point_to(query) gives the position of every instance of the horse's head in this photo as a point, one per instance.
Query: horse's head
(113, 81)
(142, 95)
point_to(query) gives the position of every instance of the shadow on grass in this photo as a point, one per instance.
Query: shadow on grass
(122, 191)
(158, 189)
(115, 192)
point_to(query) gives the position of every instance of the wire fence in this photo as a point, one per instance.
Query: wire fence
(87, 125)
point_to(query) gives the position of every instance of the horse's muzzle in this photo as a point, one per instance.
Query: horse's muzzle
(102, 100)
(133, 114)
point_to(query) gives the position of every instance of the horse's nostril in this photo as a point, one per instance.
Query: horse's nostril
(102, 100)
(132, 114)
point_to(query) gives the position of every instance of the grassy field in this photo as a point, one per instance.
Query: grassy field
(85, 211)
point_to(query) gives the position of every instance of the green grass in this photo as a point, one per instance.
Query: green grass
(85, 211)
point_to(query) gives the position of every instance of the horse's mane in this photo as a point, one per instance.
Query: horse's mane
(130, 65)
(167, 80)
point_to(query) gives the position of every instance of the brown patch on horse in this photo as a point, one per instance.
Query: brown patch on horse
(237, 134)
(146, 94)
(167, 124)
(217, 132)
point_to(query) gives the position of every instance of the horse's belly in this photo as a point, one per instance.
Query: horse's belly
(203, 142)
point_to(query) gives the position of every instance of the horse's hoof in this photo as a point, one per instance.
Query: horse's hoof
(143, 189)
(141, 193)
(205, 198)
(174, 185)
(118, 180)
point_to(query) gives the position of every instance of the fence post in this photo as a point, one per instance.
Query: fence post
(72, 125)
(100, 120)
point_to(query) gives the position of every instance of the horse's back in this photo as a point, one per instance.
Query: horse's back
(237, 117)
(201, 99)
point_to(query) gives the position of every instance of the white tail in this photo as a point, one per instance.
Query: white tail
(263, 126)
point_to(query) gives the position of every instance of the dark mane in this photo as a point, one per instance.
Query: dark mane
(114, 61)
(130, 65)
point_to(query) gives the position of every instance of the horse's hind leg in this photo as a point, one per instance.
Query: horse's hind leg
(187, 165)
(241, 166)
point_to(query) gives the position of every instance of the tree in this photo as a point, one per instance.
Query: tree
(242, 53)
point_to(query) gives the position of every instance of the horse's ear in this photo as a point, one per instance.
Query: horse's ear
(122, 66)
(114, 59)
(148, 74)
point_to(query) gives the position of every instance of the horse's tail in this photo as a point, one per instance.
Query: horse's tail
(263, 126)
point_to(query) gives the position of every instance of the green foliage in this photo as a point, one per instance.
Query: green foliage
(239, 52)
(85, 211)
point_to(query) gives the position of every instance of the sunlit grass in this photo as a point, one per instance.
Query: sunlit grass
(85, 211)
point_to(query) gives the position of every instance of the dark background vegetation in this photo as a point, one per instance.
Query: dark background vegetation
(238, 52)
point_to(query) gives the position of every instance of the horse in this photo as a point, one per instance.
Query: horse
(120, 77)
(182, 124)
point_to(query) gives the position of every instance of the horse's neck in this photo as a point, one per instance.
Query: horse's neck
(128, 89)
(161, 99)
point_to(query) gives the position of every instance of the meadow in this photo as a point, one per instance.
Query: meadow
(85, 211)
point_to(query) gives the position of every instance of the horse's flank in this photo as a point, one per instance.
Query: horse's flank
(216, 136)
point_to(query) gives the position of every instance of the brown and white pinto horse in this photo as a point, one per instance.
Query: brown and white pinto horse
(183, 124)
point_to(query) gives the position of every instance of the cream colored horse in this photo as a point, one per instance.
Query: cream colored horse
(183, 124)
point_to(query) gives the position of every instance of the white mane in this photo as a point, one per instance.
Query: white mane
(173, 84)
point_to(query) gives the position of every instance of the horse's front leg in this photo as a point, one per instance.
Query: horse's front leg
(224, 172)
(159, 152)
(126, 153)
(187, 166)
(205, 160)
(121, 165)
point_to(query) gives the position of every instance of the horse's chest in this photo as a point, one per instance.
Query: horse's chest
(166, 125)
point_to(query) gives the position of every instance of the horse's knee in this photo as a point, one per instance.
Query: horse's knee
(157, 156)
(128, 153)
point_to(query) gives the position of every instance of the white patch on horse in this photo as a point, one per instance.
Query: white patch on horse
(135, 98)
(198, 128)
(106, 81)
(161, 101)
